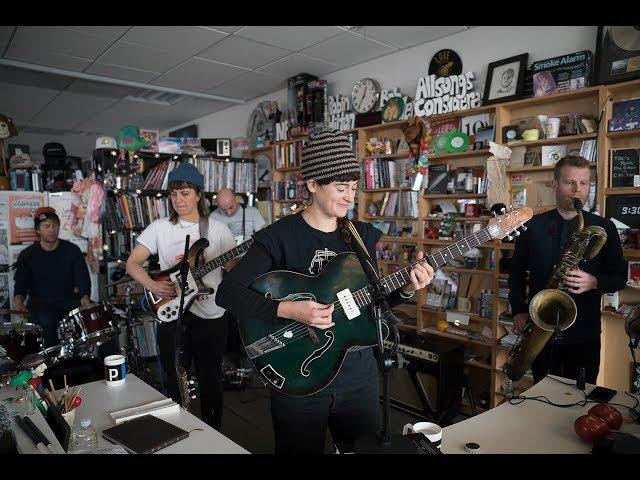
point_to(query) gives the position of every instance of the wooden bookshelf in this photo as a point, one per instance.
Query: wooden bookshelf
(554, 141)
(288, 169)
(622, 191)
(458, 155)
(389, 189)
(454, 196)
(537, 168)
(624, 133)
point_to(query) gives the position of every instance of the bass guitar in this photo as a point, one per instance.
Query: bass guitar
(298, 359)
(166, 310)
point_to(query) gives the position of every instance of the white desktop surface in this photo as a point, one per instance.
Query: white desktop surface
(532, 426)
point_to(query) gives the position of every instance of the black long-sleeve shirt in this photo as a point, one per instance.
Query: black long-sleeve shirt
(52, 276)
(292, 244)
(540, 248)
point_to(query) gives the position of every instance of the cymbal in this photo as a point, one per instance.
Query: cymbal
(126, 278)
(6, 311)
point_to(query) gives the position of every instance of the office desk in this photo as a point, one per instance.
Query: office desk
(532, 426)
(98, 400)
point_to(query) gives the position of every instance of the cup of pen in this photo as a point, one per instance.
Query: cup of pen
(66, 401)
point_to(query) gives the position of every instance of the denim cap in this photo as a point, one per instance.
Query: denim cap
(186, 172)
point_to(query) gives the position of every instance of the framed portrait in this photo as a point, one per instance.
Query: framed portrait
(505, 79)
(617, 54)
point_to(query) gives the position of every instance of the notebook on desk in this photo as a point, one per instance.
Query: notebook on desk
(146, 434)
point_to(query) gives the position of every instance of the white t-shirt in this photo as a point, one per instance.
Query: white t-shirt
(253, 221)
(167, 240)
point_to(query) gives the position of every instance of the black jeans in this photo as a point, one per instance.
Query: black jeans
(300, 423)
(564, 360)
(204, 340)
(48, 315)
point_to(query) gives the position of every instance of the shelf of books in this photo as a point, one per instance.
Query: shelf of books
(619, 198)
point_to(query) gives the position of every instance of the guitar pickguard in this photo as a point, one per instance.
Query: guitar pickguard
(317, 353)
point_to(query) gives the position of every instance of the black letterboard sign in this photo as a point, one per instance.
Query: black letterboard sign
(625, 163)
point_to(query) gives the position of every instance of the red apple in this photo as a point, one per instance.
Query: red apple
(589, 427)
(609, 414)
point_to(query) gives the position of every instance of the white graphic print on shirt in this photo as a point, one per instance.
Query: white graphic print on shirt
(320, 260)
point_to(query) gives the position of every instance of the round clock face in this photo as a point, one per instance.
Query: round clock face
(365, 95)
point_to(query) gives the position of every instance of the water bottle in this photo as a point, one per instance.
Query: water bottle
(85, 437)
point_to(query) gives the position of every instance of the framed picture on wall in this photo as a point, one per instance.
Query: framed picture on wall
(617, 54)
(505, 79)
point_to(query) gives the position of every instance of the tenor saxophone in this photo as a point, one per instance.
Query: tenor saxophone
(553, 310)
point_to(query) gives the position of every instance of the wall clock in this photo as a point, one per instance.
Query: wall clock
(365, 95)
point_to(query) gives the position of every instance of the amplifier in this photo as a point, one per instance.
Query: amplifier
(431, 381)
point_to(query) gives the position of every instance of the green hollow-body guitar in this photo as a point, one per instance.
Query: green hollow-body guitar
(299, 360)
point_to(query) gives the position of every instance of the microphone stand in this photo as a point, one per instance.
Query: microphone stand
(381, 442)
(184, 272)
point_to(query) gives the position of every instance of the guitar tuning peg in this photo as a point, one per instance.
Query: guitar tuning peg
(517, 233)
(510, 207)
(502, 210)
(493, 213)
(193, 397)
(524, 227)
(509, 237)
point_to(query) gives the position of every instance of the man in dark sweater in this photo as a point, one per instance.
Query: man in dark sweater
(53, 273)
(540, 248)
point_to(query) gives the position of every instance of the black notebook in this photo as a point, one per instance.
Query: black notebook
(146, 434)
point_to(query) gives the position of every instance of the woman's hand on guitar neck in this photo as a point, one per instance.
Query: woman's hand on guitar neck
(420, 275)
(163, 289)
(308, 312)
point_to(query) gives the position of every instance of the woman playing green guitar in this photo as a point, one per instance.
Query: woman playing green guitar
(316, 357)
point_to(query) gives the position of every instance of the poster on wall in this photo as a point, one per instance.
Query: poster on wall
(61, 203)
(22, 206)
(4, 243)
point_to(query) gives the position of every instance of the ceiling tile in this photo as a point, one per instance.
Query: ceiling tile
(250, 85)
(347, 49)
(69, 109)
(12, 99)
(227, 28)
(138, 56)
(242, 52)
(5, 33)
(31, 54)
(407, 36)
(125, 112)
(197, 74)
(118, 71)
(297, 63)
(197, 107)
(60, 40)
(184, 39)
(290, 37)
(102, 30)
(100, 89)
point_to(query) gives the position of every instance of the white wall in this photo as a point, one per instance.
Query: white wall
(477, 48)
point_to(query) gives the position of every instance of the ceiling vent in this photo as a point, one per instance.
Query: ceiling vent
(154, 96)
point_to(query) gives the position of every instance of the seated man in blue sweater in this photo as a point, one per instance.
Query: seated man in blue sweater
(54, 275)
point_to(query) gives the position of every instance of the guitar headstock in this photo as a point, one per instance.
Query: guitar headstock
(188, 388)
(508, 222)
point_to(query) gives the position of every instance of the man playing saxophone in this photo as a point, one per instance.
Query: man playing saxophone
(540, 248)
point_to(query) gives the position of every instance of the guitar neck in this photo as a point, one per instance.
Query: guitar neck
(437, 259)
(222, 259)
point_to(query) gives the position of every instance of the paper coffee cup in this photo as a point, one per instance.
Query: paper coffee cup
(115, 370)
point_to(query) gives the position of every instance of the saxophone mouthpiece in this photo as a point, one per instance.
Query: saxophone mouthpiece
(577, 204)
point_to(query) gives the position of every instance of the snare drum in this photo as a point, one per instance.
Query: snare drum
(87, 326)
(54, 354)
(20, 339)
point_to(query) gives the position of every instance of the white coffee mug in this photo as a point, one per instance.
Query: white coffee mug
(115, 370)
(432, 431)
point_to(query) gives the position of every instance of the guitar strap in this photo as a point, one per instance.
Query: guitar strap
(204, 227)
(356, 235)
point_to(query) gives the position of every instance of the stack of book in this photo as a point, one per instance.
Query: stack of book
(130, 211)
(589, 150)
(384, 173)
(399, 204)
(289, 154)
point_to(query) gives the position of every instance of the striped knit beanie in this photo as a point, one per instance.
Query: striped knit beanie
(327, 154)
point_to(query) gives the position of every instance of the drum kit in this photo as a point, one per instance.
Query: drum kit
(81, 330)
